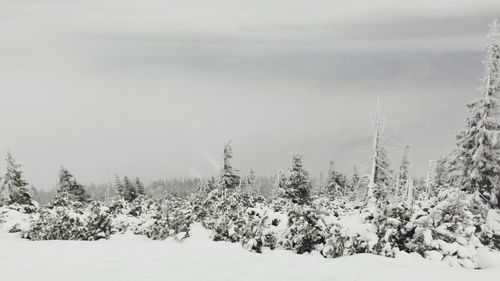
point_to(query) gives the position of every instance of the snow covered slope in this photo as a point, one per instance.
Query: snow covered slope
(134, 258)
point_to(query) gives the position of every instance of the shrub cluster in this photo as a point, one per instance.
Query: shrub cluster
(450, 227)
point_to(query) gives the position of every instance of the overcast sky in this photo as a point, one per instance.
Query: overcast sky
(155, 88)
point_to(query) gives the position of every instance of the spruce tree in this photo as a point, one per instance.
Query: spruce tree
(475, 163)
(380, 178)
(248, 182)
(15, 188)
(140, 187)
(252, 178)
(336, 182)
(384, 173)
(355, 179)
(65, 179)
(403, 169)
(4, 194)
(211, 184)
(409, 195)
(281, 182)
(206, 186)
(440, 177)
(297, 187)
(120, 189)
(70, 187)
(229, 175)
(129, 192)
(429, 183)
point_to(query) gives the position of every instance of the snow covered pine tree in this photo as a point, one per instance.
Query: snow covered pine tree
(380, 174)
(70, 187)
(403, 171)
(126, 189)
(336, 182)
(298, 185)
(140, 187)
(475, 163)
(15, 188)
(229, 175)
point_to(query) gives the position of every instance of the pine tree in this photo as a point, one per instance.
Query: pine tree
(4, 194)
(129, 190)
(252, 178)
(403, 170)
(475, 163)
(120, 188)
(139, 187)
(355, 179)
(297, 187)
(248, 182)
(205, 187)
(211, 184)
(380, 176)
(281, 182)
(336, 182)
(15, 188)
(65, 179)
(229, 175)
(409, 192)
(428, 180)
(69, 186)
(440, 176)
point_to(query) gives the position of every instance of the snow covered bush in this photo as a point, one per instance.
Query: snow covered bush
(205, 206)
(237, 217)
(490, 235)
(98, 223)
(167, 218)
(223, 212)
(341, 243)
(180, 218)
(274, 226)
(253, 232)
(62, 199)
(337, 207)
(306, 230)
(393, 230)
(350, 234)
(230, 219)
(279, 205)
(262, 228)
(67, 223)
(158, 229)
(128, 216)
(118, 206)
(58, 223)
(447, 230)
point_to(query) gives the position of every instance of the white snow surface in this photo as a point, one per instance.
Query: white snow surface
(130, 257)
(488, 259)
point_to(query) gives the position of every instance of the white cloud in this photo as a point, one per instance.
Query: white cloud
(186, 24)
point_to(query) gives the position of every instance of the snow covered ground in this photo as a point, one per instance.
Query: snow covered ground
(129, 257)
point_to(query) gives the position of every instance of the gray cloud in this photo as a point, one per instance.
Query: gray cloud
(155, 88)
